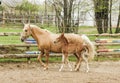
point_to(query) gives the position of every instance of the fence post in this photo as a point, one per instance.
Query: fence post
(3, 18)
(28, 58)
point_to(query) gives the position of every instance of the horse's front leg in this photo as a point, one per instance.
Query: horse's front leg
(47, 59)
(39, 58)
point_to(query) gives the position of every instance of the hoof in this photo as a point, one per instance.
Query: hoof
(75, 66)
(46, 68)
(60, 70)
(76, 70)
(71, 70)
(87, 71)
(43, 65)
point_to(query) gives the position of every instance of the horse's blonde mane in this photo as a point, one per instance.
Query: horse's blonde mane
(34, 26)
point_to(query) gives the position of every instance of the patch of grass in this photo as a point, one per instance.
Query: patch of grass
(10, 30)
(8, 60)
(101, 58)
(87, 30)
(50, 28)
(10, 40)
(51, 59)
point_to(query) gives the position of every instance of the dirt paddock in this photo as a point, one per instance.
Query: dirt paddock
(100, 72)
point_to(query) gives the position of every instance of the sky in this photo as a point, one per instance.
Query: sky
(14, 2)
(37, 1)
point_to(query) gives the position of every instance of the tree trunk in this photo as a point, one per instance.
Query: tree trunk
(3, 17)
(101, 15)
(105, 14)
(98, 19)
(65, 16)
(118, 22)
(69, 17)
(110, 17)
(65, 20)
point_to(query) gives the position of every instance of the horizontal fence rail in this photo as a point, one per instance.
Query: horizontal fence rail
(18, 45)
(10, 34)
(108, 53)
(107, 44)
(26, 55)
(98, 35)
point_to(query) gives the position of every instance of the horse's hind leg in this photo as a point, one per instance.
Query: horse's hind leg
(76, 55)
(40, 60)
(79, 63)
(86, 61)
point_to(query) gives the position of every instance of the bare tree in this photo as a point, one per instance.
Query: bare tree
(118, 22)
(63, 9)
(101, 8)
(110, 23)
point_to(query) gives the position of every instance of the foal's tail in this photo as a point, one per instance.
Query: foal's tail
(90, 46)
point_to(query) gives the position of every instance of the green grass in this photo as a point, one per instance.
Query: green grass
(56, 59)
(13, 60)
(103, 58)
(10, 40)
(51, 59)
(10, 29)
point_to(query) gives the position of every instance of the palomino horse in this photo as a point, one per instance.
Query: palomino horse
(80, 51)
(45, 40)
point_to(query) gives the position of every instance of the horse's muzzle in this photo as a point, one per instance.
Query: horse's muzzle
(55, 42)
(22, 40)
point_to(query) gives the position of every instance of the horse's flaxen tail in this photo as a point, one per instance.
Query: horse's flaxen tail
(91, 48)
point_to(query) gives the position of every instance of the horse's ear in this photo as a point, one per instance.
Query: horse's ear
(62, 34)
(23, 23)
(29, 25)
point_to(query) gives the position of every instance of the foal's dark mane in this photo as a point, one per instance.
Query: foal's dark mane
(65, 40)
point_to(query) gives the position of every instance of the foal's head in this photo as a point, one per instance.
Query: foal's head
(61, 39)
(26, 32)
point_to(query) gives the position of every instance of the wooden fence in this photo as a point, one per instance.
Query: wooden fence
(32, 18)
(28, 46)
(107, 45)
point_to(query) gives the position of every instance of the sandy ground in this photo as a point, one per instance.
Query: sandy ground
(100, 72)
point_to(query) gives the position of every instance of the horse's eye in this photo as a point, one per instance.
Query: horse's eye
(25, 30)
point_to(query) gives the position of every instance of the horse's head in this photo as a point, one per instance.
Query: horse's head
(26, 32)
(58, 39)
(61, 39)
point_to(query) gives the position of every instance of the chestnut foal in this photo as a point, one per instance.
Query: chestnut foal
(67, 48)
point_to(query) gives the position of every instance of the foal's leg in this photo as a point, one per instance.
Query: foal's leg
(39, 58)
(69, 65)
(66, 61)
(63, 62)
